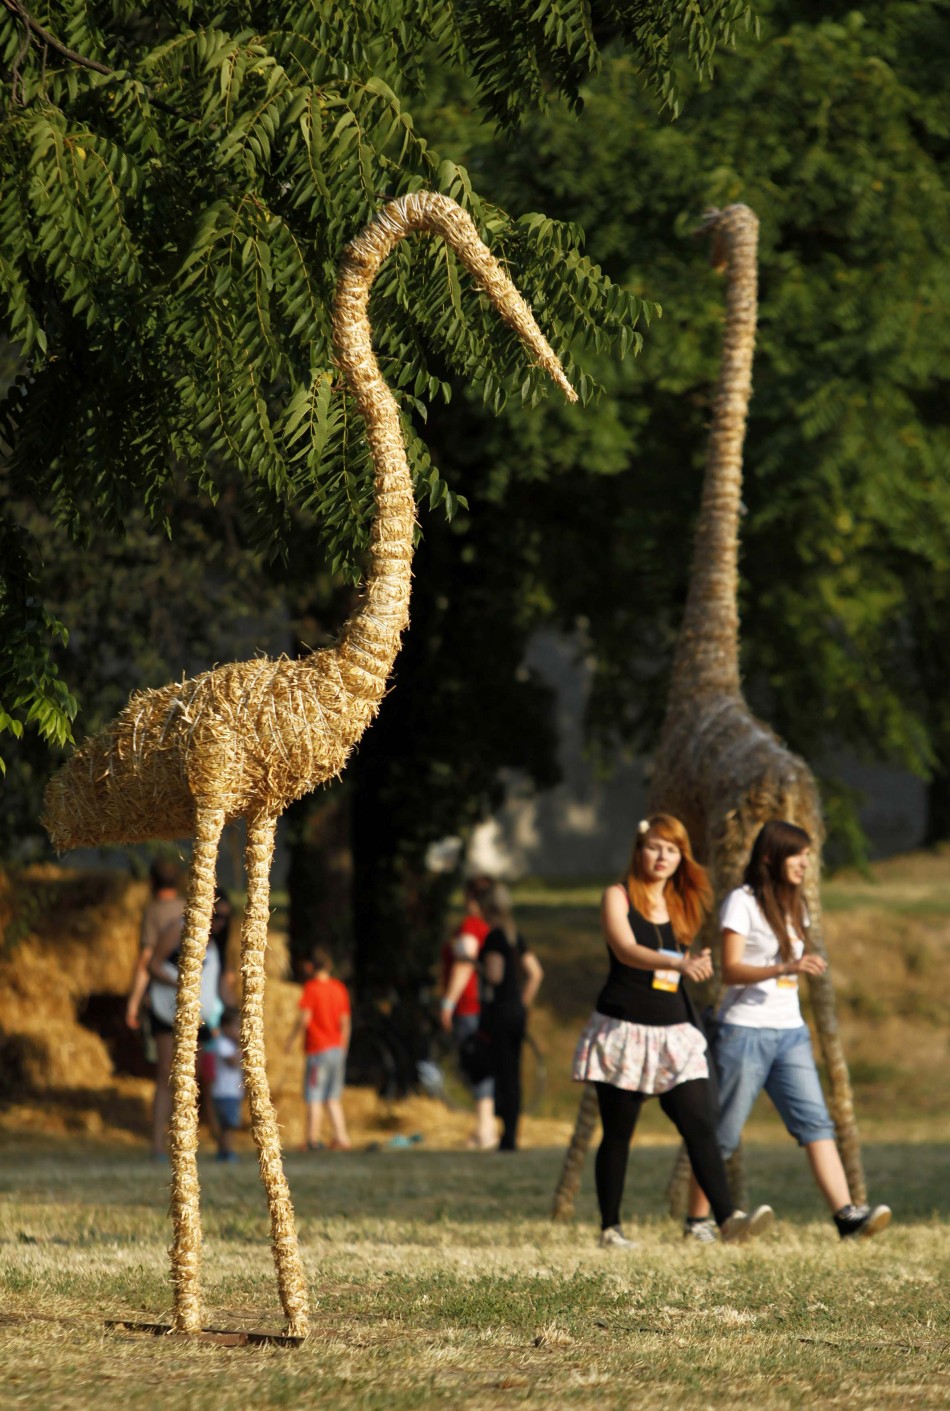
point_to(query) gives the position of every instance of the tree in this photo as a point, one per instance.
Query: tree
(177, 185)
(832, 124)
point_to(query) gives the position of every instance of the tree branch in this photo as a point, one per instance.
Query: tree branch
(49, 41)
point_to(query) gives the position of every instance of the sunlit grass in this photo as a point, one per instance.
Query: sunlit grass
(438, 1279)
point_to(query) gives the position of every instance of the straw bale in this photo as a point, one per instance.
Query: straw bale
(53, 1053)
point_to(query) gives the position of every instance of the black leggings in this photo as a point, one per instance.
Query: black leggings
(690, 1107)
(506, 1042)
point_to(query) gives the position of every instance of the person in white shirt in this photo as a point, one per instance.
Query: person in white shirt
(762, 1041)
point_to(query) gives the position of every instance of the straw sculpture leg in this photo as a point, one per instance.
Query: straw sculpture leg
(290, 1276)
(186, 1216)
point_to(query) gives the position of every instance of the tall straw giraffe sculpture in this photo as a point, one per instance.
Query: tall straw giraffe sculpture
(717, 767)
(247, 739)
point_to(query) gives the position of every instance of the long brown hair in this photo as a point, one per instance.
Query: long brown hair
(688, 894)
(497, 909)
(779, 901)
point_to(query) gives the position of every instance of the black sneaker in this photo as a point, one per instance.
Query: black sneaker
(862, 1221)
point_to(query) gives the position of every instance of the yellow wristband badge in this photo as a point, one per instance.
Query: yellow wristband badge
(667, 979)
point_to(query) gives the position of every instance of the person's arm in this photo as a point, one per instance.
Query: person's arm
(303, 1019)
(620, 938)
(226, 988)
(346, 1030)
(466, 954)
(532, 975)
(493, 966)
(168, 939)
(734, 972)
(140, 981)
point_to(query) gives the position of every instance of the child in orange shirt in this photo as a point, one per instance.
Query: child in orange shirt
(325, 1021)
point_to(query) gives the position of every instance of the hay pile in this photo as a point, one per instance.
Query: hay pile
(68, 935)
(72, 935)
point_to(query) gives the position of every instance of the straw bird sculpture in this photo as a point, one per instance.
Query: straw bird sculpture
(247, 739)
(717, 767)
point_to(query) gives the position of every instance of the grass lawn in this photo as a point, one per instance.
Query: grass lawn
(438, 1280)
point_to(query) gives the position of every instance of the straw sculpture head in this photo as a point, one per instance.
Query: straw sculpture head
(247, 739)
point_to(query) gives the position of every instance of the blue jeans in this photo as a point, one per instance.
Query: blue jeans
(780, 1061)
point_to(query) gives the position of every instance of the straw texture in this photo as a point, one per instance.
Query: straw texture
(717, 768)
(247, 739)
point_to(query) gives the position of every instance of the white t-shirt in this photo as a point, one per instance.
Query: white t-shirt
(770, 1004)
(228, 1080)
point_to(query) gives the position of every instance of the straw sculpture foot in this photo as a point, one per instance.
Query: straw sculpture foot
(247, 739)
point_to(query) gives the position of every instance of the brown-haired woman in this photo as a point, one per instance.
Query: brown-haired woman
(763, 1041)
(642, 1040)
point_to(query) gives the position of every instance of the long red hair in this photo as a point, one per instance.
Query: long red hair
(688, 893)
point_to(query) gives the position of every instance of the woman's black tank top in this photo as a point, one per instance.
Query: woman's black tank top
(629, 993)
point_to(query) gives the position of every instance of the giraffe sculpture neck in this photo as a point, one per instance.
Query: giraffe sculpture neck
(707, 653)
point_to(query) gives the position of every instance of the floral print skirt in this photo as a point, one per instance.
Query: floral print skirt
(643, 1058)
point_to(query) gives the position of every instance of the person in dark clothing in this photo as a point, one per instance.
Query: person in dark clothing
(511, 976)
(643, 1039)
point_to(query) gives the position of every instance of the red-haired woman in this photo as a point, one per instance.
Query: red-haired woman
(642, 1040)
(763, 1041)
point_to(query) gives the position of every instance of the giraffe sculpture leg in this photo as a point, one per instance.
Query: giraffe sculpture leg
(290, 1276)
(183, 1137)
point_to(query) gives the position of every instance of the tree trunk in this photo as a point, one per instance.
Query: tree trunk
(937, 829)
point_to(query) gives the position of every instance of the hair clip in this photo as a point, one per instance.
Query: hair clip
(643, 826)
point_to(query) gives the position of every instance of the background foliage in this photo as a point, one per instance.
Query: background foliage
(212, 251)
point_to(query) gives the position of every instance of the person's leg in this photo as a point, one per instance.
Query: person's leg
(795, 1088)
(162, 1100)
(484, 1137)
(619, 1110)
(314, 1120)
(689, 1106)
(828, 1172)
(341, 1137)
(743, 1058)
(506, 1047)
(224, 1124)
(332, 1066)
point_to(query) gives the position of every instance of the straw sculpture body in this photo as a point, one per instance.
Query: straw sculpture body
(717, 767)
(247, 739)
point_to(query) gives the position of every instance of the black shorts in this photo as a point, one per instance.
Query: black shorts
(160, 1027)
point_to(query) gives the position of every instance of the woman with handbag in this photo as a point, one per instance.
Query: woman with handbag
(642, 1040)
(762, 1040)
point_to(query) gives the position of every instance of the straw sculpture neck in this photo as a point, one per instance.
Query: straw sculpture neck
(370, 640)
(707, 654)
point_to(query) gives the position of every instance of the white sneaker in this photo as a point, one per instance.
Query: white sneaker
(614, 1238)
(701, 1231)
(741, 1227)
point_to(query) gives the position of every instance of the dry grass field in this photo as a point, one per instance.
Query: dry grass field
(439, 1281)
(437, 1277)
